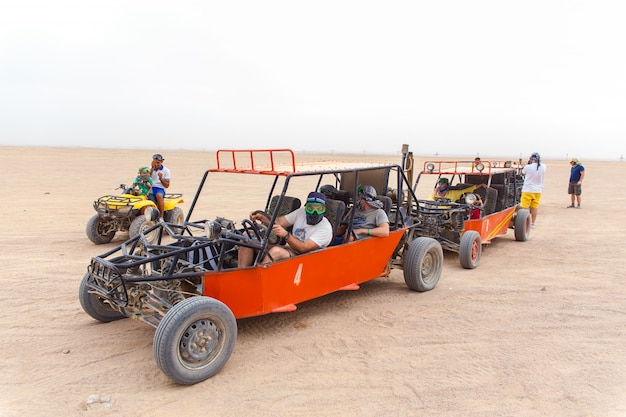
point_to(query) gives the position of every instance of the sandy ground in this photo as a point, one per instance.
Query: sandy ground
(538, 329)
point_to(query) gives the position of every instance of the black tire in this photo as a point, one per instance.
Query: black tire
(94, 305)
(470, 249)
(141, 224)
(175, 216)
(522, 225)
(195, 339)
(94, 231)
(423, 264)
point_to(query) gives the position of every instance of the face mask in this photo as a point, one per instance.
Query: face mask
(314, 218)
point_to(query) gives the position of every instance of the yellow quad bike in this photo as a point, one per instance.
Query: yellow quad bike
(132, 213)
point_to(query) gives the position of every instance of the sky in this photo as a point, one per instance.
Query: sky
(487, 78)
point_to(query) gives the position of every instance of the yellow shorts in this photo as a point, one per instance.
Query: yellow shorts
(530, 200)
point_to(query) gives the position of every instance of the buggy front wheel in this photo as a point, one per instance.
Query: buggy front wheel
(195, 339)
(470, 249)
(423, 264)
(94, 305)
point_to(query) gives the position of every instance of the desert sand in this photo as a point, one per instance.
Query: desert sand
(538, 329)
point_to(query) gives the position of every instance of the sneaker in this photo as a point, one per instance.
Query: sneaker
(160, 219)
(532, 225)
(578, 206)
(571, 206)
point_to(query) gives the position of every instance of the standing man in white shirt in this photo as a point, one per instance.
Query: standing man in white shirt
(534, 173)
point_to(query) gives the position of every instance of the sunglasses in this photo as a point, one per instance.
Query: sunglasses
(313, 208)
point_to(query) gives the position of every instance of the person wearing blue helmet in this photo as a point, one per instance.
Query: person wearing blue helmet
(310, 230)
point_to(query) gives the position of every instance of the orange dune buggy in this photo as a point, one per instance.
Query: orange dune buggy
(481, 203)
(189, 287)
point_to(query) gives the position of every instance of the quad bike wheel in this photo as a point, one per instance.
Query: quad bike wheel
(140, 225)
(175, 216)
(98, 231)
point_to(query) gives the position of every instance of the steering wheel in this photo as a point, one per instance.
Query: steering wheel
(272, 238)
(254, 230)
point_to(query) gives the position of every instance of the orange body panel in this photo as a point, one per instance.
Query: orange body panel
(279, 286)
(492, 225)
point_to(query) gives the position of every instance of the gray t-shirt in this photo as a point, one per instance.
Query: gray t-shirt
(369, 219)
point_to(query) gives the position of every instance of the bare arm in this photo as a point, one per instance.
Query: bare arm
(381, 230)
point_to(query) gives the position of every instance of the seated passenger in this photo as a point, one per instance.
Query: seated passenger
(456, 193)
(441, 189)
(369, 218)
(311, 230)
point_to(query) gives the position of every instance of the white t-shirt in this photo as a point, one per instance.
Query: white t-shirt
(156, 181)
(321, 233)
(533, 177)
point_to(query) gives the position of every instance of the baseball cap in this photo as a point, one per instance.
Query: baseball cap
(158, 157)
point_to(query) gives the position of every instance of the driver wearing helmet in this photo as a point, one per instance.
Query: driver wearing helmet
(310, 231)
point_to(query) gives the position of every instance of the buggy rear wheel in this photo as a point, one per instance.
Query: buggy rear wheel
(423, 264)
(94, 305)
(470, 249)
(97, 230)
(195, 339)
(522, 225)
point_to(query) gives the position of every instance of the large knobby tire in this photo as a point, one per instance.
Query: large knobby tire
(423, 263)
(141, 224)
(175, 216)
(195, 339)
(522, 225)
(470, 249)
(95, 305)
(95, 232)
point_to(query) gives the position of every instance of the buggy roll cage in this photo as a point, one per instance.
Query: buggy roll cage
(280, 163)
(457, 169)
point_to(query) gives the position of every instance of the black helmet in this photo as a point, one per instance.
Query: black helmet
(329, 191)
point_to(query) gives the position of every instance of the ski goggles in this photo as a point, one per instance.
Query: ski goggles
(312, 208)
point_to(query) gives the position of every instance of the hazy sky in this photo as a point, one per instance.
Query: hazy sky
(449, 77)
